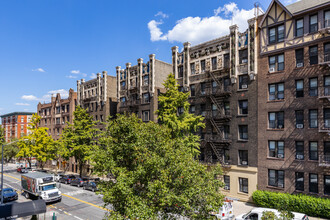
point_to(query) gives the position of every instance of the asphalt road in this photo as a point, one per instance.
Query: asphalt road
(76, 203)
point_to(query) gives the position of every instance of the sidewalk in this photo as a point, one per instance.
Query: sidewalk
(244, 207)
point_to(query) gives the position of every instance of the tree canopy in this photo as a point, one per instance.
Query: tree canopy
(79, 138)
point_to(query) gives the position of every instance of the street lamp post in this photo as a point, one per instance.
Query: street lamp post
(2, 169)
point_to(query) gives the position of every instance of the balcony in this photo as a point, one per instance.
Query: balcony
(324, 160)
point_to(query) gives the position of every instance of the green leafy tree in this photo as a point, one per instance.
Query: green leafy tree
(2, 135)
(80, 137)
(286, 215)
(153, 175)
(182, 126)
(58, 151)
(10, 150)
(268, 215)
(37, 144)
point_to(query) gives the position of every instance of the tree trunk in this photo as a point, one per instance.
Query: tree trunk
(80, 169)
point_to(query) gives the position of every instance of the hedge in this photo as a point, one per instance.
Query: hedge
(311, 206)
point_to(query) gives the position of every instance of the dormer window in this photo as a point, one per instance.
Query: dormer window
(299, 27)
(276, 34)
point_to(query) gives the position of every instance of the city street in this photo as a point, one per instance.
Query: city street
(76, 203)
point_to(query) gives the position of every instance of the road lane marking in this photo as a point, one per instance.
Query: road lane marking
(88, 203)
(78, 217)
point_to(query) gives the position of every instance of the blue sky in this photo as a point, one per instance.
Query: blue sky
(46, 45)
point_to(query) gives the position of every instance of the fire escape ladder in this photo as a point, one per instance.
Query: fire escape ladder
(216, 126)
(214, 101)
(219, 156)
(216, 80)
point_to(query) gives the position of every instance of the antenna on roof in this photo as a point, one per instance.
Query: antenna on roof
(258, 9)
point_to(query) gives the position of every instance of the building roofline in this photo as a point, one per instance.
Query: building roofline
(17, 113)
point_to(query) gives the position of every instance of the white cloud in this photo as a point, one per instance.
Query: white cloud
(22, 104)
(29, 98)
(197, 29)
(39, 70)
(93, 76)
(45, 98)
(288, 2)
(155, 32)
(71, 77)
(75, 71)
(161, 14)
(84, 74)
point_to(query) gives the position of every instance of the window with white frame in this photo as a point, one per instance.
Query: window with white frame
(276, 149)
(145, 115)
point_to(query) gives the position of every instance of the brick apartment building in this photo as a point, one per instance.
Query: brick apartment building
(98, 96)
(56, 113)
(294, 98)
(15, 124)
(139, 86)
(220, 76)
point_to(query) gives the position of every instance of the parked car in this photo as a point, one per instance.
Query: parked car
(58, 176)
(9, 194)
(256, 214)
(67, 179)
(24, 169)
(91, 185)
(78, 182)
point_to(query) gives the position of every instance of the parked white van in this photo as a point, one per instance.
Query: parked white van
(256, 214)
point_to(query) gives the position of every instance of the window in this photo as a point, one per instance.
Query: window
(243, 56)
(203, 110)
(214, 86)
(313, 154)
(300, 119)
(313, 183)
(327, 85)
(243, 185)
(123, 99)
(276, 120)
(226, 60)
(180, 110)
(300, 57)
(326, 151)
(146, 98)
(180, 71)
(22, 127)
(313, 87)
(214, 110)
(203, 86)
(58, 110)
(192, 90)
(123, 85)
(313, 23)
(299, 27)
(326, 117)
(243, 107)
(226, 180)
(58, 121)
(67, 108)
(145, 116)
(299, 88)
(243, 157)
(327, 19)
(276, 34)
(214, 63)
(276, 149)
(276, 178)
(192, 109)
(243, 81)
(313, 55)
(101, 118)
(192, 68)
(276, 63)
(313, 115)
(327, 184)
(327, 52)
(203, 66)
(276, 91)
(146, 80)
(243, 132)
(226, 132)
(299, 181)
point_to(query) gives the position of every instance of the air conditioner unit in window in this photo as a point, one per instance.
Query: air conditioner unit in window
(300, 157)
(300, 64)
(280, 156)
(227, 188)
(244, 86)
(271, 70)
(244, 163)
(299, 125)
(244, 60)
(280, 185)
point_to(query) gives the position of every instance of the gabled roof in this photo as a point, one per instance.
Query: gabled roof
(303, 5)
(270, 6)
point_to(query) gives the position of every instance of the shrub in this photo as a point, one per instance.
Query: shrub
(268, 215)
(312, 206)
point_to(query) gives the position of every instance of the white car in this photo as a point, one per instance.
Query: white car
(225, 212)
(256, 214)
